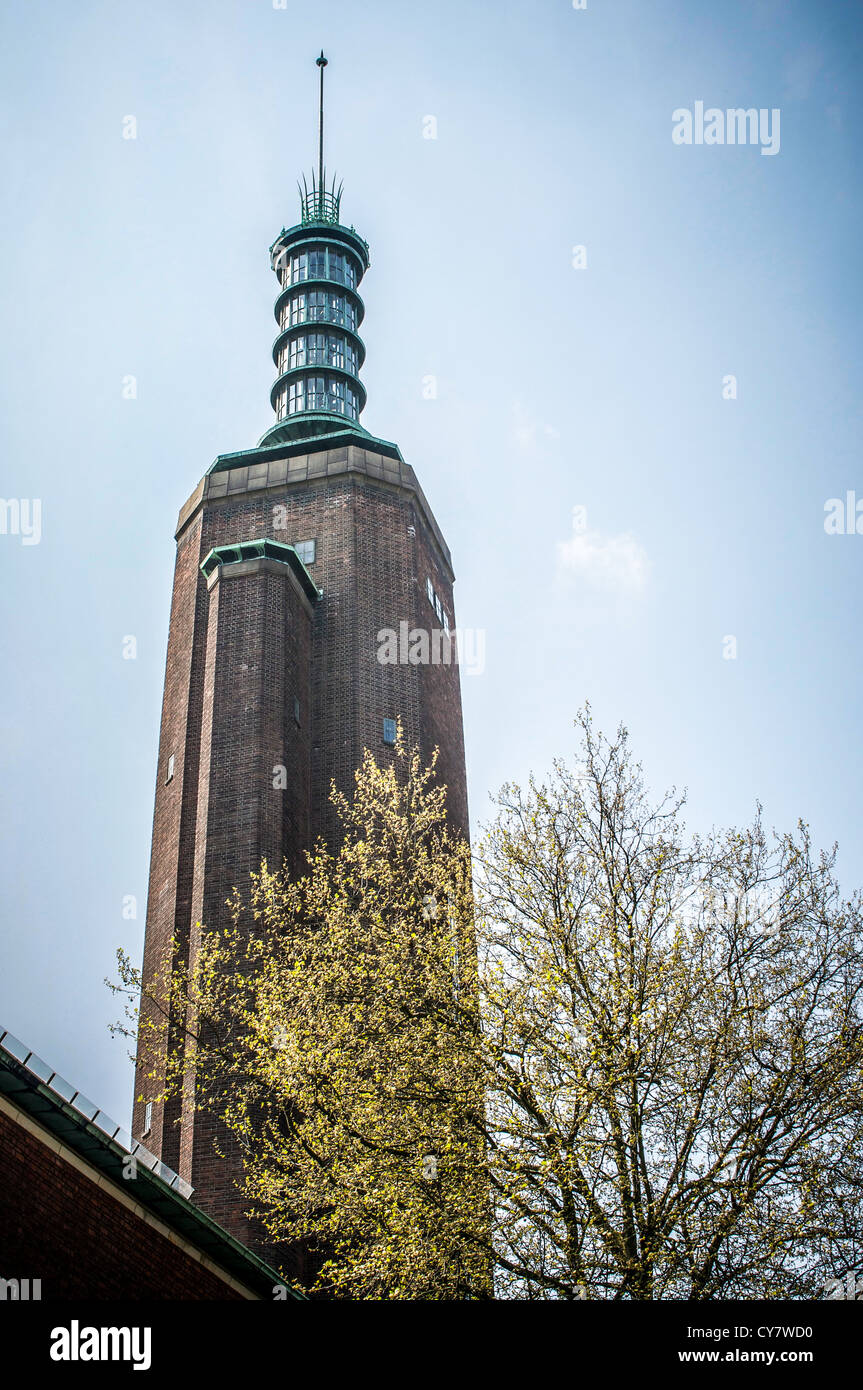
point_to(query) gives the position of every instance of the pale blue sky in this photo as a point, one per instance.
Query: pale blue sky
(557, 387)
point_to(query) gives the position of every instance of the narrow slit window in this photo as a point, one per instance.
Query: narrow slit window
(169, 774)
(148, 1117)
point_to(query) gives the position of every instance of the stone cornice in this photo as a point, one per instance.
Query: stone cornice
(266, 474)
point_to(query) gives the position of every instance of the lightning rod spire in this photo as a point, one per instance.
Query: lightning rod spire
(321, 63)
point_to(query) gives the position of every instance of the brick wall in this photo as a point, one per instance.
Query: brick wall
(237, 652)
(58, 1226)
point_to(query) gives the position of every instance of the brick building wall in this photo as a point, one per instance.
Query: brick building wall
(83, 1238)
(240, 647)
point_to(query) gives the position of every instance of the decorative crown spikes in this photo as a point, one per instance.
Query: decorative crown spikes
(318, 203)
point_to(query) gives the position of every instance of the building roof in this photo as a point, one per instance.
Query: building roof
(262, 549)
(55, 1104)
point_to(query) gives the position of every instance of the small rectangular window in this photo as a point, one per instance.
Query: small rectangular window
(446, 623)
(438, 606)
(296, 710)
(306, 551)
(389, 731)
(430, 591)
(170, 772)
(148, 1117)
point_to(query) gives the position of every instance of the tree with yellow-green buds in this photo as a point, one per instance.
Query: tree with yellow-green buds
(334, 1031)
(672, 1047)
(623, 1063)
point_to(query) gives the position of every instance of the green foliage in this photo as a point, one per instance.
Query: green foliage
(334, 1030)
(672, 1047)
(624, 1063)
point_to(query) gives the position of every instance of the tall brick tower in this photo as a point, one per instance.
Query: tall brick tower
(291, 558)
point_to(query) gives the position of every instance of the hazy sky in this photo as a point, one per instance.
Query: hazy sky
(596, 385)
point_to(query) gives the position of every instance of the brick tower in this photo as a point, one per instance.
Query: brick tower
(291, 558)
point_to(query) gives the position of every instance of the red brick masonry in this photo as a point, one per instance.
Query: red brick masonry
(76, 1233)
(242, 650)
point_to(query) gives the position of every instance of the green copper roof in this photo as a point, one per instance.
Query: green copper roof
(274, 448)
(260, 550)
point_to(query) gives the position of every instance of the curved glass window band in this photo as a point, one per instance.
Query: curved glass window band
(319, 350)
(309, 393)
(317, 263)
(319, 306)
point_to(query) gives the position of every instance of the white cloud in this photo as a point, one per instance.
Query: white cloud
(611, 564)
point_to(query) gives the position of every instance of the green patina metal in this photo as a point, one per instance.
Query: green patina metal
(318, 353)
(262, 549)
(271, 447)
(321, 207)
(315, 430)
(314, 231)
(283, 334)
(318, 395)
